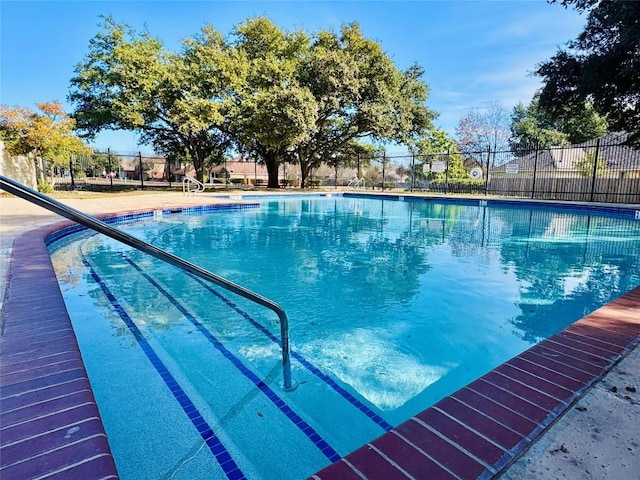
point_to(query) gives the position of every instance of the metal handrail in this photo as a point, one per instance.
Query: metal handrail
(93, 223)
(187, 182)
(356, 183)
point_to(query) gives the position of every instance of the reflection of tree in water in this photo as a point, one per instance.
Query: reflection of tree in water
(565, 274)
(566, 264)
(362, 254)
(601, 286)
(474, 230)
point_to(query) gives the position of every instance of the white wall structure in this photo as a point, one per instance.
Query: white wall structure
(20, 168)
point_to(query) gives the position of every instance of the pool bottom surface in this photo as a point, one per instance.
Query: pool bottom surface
(588, 356)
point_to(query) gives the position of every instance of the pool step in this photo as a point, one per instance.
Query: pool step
(247, 401)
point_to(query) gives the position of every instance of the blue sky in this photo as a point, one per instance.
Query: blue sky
(474, 52)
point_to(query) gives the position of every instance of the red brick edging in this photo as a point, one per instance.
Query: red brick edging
(50, 425)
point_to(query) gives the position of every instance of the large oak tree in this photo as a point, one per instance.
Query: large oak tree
(128, 81)
(277, 95)
(360, 95)
(601, 66)
(273, 112)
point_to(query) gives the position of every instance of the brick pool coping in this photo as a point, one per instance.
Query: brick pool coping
(51, 425)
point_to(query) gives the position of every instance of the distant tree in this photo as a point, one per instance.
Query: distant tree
(600, 66)
(128, 81)
(273, 112)
(359, 95)
(583, 124)
(479, 131)
(437, 145)
(96, 163)
(536, 125)
(435, 141)
(528, 129)
(401, 171)
(359, 155)
(47, 133)
(587, 166)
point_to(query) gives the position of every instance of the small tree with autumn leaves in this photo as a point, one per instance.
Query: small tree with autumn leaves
(46, 133)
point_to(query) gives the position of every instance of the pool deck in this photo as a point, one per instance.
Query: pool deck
(566, 408)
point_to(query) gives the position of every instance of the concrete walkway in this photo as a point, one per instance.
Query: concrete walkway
(18, 216)
(599, 438)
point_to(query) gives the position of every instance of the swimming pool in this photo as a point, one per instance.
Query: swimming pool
(367, 285)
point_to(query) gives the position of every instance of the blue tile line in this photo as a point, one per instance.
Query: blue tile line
(129, 217)
(583, 208)
(377, 419)
(229, 466)
(298, 421)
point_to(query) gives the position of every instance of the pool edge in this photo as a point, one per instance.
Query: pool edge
(29, 265)
(49, 409)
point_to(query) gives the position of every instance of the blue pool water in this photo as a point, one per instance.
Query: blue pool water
(392, 305)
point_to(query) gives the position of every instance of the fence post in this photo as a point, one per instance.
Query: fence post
(384, 160)
(535, 170)
(413, 170)
(110, 170)
(73, 183)
(141, 179)
(486, 180)
(446, 173)
(595, 170)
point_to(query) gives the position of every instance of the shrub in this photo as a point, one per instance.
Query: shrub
(45, 186)
(458, 185)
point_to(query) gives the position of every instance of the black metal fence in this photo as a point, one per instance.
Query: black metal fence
(116, 171)
(604, 170)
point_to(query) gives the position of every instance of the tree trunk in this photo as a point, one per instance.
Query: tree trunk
(199, 173)
(304, 172)
(39, 164)
(273, 165)
(198, 162)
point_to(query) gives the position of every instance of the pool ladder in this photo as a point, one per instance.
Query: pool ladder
(191, 186)
(356, 183)
(93, 223)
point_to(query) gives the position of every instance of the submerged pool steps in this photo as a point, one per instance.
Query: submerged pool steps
(373, 416)
(217, 404)
(214, 444)
(292, 399)
(274, 397)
